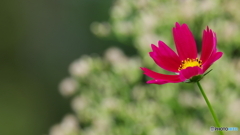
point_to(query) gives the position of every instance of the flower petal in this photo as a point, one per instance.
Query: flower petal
(189, 72)
(165, 57)
(184, 41)
(215, 43)
(214, 57)
(208, 44)
(157, 82)
(161, 78)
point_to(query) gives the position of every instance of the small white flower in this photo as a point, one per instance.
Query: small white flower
(79, 68)
(68, 86)
(79, 103)
(69, 125)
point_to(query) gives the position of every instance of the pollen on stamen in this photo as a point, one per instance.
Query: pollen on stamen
(190, 63)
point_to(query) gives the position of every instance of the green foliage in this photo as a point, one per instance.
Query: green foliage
(111, 97)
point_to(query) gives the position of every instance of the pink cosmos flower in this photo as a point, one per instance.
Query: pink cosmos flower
(186, 64)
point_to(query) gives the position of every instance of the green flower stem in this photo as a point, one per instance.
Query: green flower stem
(210, 107)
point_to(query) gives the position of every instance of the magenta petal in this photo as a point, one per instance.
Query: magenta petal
(155, 48)
(214, 42)
(169, 55)
(156, 75)
(160, 78)
(184, 41)
(214, 57)
(189, 72)
(165, 57)
(167, 51)
(157, 82)
(208, 44)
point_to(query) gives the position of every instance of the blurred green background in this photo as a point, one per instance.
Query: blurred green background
(39, 39)
(104, 91)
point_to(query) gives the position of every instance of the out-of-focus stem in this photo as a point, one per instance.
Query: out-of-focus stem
(210, 107)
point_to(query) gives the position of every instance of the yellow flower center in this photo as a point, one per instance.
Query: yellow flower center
(190, 63)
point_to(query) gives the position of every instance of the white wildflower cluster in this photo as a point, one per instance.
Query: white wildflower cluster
(122, 65)
(79, 103)
(68, 86)
(80, 67)
(109, 94)
(68, 126)
(147, 21)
